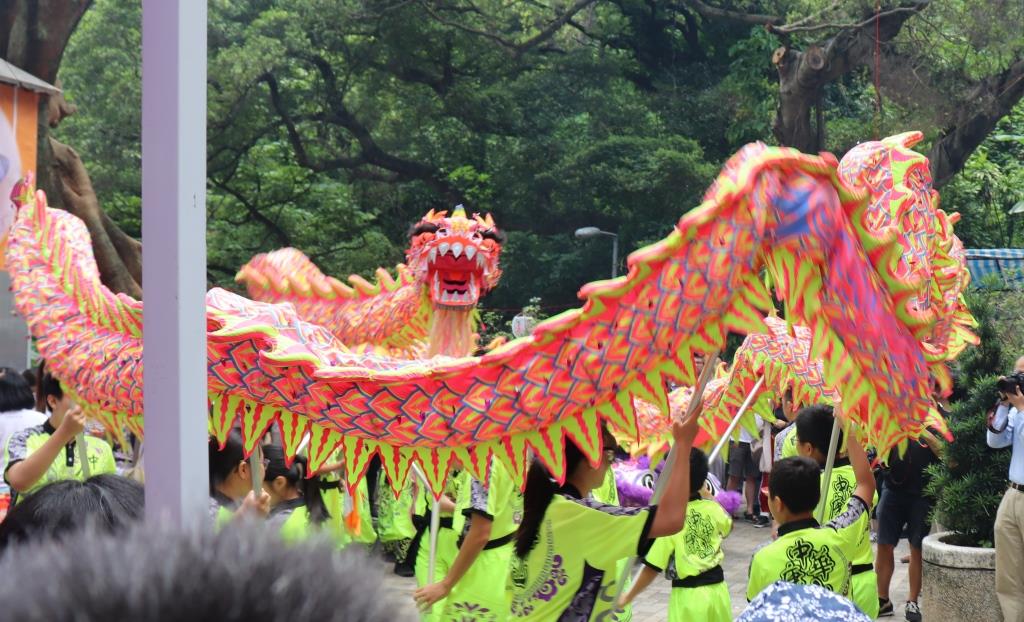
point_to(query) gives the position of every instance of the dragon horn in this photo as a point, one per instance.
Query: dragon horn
(459, 211)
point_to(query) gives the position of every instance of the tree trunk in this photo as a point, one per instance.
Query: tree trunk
(803, 75)
(990, 100)
(80, 199)
(800, 87)
(33, 36)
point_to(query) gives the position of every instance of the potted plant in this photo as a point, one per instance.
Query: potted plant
(959, 563)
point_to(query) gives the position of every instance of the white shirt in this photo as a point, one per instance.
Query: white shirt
(747, 437)
(1012, 434)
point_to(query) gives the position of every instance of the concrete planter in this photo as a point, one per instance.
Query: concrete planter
(959, 581)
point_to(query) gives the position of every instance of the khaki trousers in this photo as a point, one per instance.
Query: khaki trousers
(1010, 555)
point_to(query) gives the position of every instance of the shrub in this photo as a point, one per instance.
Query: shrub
(970, 481)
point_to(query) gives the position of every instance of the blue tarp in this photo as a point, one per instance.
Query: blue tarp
(1007, 264)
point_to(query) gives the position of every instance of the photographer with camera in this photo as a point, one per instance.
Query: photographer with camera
(1005, 429)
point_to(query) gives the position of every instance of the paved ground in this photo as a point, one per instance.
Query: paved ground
(652, 605)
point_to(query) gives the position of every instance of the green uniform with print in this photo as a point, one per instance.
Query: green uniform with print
(864, 582)
(692, 560)
(481, 593)
(807, 554)
(608, 493)
(67, 465)
(447, 543)
(339, 504)
(573, 569)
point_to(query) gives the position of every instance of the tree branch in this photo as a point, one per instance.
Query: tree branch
(549, 31)
(980, 110)
(282, 236)
(301, 155)
(803, 26)
(516, 49)
(371, 152)
(712, 12)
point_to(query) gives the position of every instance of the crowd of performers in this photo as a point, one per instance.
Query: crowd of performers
(555, 549)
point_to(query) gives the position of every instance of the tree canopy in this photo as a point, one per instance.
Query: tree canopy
(334, 124)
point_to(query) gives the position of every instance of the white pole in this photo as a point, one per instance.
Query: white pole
(830, 460)
(735, 421)
(256, 470)
(435, 522)
(659, 487)
(174, 257)
(83, 455)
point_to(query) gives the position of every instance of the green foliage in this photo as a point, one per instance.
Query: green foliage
(619, 120)
(969, 482)
(990, 185)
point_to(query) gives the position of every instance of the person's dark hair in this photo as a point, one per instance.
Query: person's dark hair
(295, 475)
(796, 482)
(540, 489)
(698, 471)
(30, 377)
(46, 386)
(15, 391)
(162, 574)
(224, 460)
(108, 503)
(814, 426)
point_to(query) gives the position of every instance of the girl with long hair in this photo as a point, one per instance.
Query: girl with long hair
(231, 492)
(297, 505)
(570, 544)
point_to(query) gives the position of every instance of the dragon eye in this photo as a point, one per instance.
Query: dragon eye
(494, 235)
(423, 227)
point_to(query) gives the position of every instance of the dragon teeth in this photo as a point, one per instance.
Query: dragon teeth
(432, 255)
(457, 249)
(470, 251)
(444, 248)
(446, 297)
(480, 261)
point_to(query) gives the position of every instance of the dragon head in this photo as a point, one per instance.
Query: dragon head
(455, 256)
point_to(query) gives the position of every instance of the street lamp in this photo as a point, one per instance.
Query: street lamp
(585, 233)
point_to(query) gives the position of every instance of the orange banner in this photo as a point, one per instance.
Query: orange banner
(18, 115)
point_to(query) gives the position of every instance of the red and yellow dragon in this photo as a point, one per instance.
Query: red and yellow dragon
(452, 261)
(771, 209)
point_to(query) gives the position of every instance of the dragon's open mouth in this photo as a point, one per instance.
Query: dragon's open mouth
(455, 272)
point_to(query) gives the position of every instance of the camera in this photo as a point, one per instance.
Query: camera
(1007, 385)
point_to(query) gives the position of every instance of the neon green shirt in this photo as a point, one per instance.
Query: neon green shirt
(785, 443)
(340, 504)
(498, 500)
(572, 568)
(698, 547)
(841, 486)
(807, 554)
(608, 493)
(291, 519)
(66, 465)
(394, 516)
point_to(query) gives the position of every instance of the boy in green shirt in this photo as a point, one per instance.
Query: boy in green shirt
(814, 431)
(692, 558)
(49, 452)
(805, 552)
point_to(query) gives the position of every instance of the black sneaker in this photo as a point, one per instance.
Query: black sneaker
(761, 522)
(747, 516)
(912, 612)
(884, 608)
